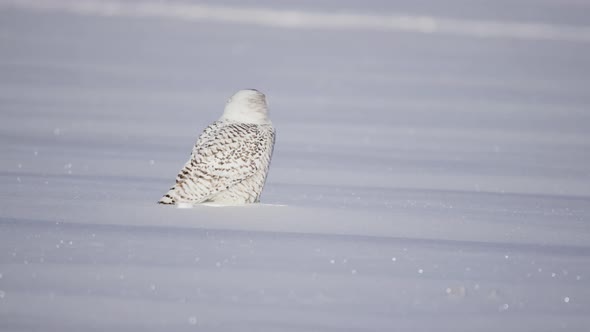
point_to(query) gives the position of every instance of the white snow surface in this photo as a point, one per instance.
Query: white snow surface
(422, 180)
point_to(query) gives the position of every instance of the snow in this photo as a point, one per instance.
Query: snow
(422, 180)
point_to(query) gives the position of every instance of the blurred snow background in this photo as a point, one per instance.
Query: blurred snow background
(433, 157)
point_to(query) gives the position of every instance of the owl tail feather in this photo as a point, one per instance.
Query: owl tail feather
(168, 199)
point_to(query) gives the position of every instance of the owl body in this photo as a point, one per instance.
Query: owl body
(230, 161)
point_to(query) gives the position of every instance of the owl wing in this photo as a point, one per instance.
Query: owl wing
(224, 155)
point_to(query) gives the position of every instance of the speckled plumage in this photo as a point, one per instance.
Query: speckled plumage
(231, 158)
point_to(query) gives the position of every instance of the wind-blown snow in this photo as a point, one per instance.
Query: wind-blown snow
(309, 20)
(420, 181)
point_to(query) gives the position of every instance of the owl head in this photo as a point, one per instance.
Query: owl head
(247, 106)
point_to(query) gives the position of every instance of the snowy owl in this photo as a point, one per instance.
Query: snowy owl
(229, 162)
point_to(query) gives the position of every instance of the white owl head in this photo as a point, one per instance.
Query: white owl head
(248, 106)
